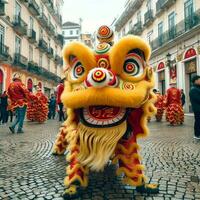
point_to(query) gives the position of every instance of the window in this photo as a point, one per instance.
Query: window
(56, 28)
(139, 16)
(160, 33)
(123, 32)
(31, 23)
(40, 59)
(148, 4)
(41, 33)
(49, 19)
(30, 53)
(149, 36)
(17, 45)
(17, 9)
(77, 32)
(56, 69)
(48, 64)
(171, 25)
(130, 24)
(2, 32)
(71, 32)
(189, 12)
(49, 42)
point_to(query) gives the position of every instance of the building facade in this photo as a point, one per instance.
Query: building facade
(31, 42)
(71, 32)
(172, 28)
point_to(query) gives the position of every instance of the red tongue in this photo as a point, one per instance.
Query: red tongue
(104, 112)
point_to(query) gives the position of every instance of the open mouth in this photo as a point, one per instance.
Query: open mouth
(102, 116)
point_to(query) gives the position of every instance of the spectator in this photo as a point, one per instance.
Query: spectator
(52, 107)
(19, 96)
(195, 101)
(4, 106)
(60, 89)
(182, 98)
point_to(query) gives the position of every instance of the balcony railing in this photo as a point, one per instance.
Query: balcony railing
(43, 19)
(43, 45)
(2, 8)
(34, 8)
(4, 52)
(136, 29)
(128, 13)
(31, 36)
(20, 61)
(148, 18)
(50, 52)
(179, 29)
(19, 25)
(163, 4)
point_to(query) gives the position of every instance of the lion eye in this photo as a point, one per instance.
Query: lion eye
(77, 70)
(133, 65)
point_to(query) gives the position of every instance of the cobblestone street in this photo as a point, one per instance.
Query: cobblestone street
(29, 171)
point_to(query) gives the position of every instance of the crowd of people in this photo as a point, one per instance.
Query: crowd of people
(18, 101)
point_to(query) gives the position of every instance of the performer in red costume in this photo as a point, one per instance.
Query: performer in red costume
(19, 97)
(174, 111)
(32, 108)
(42, 107)
(160, 106)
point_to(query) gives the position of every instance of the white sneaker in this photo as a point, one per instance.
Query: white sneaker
(197, 138)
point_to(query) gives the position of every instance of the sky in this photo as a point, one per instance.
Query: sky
(94, 13)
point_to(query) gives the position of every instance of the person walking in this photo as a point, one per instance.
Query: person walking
(195, 101)
(19, 97)
(4, 106)
(60, 89)
(182, 98)
(52, 107)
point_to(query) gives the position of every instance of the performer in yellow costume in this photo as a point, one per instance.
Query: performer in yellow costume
(108, 99)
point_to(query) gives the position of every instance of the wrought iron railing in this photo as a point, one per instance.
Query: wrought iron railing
(4, 50)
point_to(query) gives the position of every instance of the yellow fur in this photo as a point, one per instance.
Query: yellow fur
(120, 50)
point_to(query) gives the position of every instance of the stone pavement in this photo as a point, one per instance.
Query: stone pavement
(29, 171)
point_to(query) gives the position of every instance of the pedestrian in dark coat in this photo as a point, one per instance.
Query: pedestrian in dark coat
(4, 105)
(52, 107)
(195, 101)
(182, 98)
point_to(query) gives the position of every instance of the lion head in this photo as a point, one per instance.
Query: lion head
(107, 94)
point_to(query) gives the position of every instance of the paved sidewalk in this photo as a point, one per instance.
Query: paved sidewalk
(29, 171)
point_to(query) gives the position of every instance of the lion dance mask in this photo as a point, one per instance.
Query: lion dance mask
(108, 99)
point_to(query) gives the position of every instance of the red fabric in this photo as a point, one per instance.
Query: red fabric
(18, 94)
(60, 89)
(173, 96)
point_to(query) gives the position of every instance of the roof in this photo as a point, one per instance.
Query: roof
(70, 24)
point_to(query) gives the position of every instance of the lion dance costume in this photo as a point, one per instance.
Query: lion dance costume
(38, 107)
(174, 109)
(108, 99)
(160, 105)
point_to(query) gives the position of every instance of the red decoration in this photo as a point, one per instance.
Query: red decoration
(40, 84)
(173, 74)
(161, 65)
(190, 53)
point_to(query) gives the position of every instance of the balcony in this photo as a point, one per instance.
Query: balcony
(2, 8)
(31, 36)
(148, 18)
(50, 53)
(19, 25)
(128, 13)
(58, 60)
(4, 55)
(43, 45)
(59, 39)
(43, 19)
(161, 5)
(136, 29)
(33, 7)
(183, 27)
(58, 18)
(20, 61)
(51, 29)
